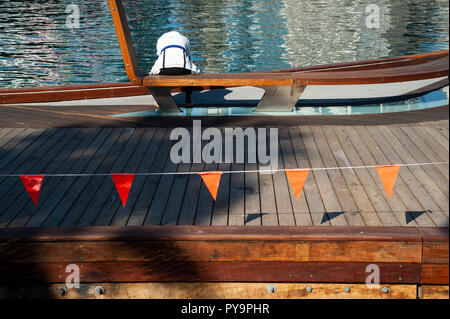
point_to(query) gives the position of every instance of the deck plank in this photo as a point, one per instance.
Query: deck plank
(15, 197)
(434, 153)
(127, 214)
(346, 199)
(190, 199)
(63, 163)
(236, 210)
(413, 153)
(103, 204)
(310, 189)
(220, 210)
(269, 214)
(300, 206)
(30, 157)
(438, 200)
(350, 176)
(327, 190)
(123, 212)
(14, 148)
(406, 179)
(371, 155)
(84, 162)
(86, 190)
(438, 137)
(7, 135)
(148, 185)
(281, 184)
(370, 186)
(162, 194)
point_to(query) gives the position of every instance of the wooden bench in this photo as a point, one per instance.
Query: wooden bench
(282, 88)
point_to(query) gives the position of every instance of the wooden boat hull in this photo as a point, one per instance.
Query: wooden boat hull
(343, 83)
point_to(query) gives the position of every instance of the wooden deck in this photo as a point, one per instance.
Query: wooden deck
(330, 198)
(171, 240)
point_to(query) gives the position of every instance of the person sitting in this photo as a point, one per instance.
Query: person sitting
(174, 58)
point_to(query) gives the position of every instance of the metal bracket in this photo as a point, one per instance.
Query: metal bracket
(164, 99)
(279, 98)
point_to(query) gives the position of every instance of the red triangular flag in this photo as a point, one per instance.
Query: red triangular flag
(212, 181)
(297, 179)
(123, 184)
(388, 175)
(33, 185)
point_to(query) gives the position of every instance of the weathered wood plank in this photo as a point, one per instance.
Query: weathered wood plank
(425, 142)
(18, 144)
(435, 252)
(327, 190)
(7, 136)
(371, 186)
(433, 154)
(435, 135)
(236, 209)
(249, 233)
(433, 292)
(12, 188)
(23, 150)
(222, 290)
(401, 189)
(162, 194)
(424, 178)
(86, 191)
(203, 215)
(328, 272)
(394, 150)
(435, 274)
(355, 251)
(438, 173)
(300, 206)
(122, 213)
(365, 211)
(99, 148)
(281, 184)
(107, 199)
(156, 138)
(23, 208)
(173, 206)
(147, 186)
(310, 189)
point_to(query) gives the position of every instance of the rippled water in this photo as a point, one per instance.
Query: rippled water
(37, 47)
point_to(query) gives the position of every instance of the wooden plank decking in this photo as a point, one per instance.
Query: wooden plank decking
(316, 247)
(330, 198)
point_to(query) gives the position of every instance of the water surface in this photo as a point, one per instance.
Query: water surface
(37, 48)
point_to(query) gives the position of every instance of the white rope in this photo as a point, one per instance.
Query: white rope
(230, 172)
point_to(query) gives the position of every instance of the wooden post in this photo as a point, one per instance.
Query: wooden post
(125, 42)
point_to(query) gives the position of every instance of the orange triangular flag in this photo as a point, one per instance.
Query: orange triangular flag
(123, 184)
(33, 185)
(388, 175)
(212, 181)
(297, 179)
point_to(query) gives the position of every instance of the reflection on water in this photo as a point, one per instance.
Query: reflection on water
(436, 98)
(36, 47)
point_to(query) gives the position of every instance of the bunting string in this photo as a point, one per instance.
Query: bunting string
(229, 172)
(296, 177)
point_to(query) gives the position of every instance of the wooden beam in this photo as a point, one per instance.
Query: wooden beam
(209, 290)
(71, 94)
(176, 271)
(433, 292)
(293, 251)
(125, 41)
(435, 274)
(233, 233)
